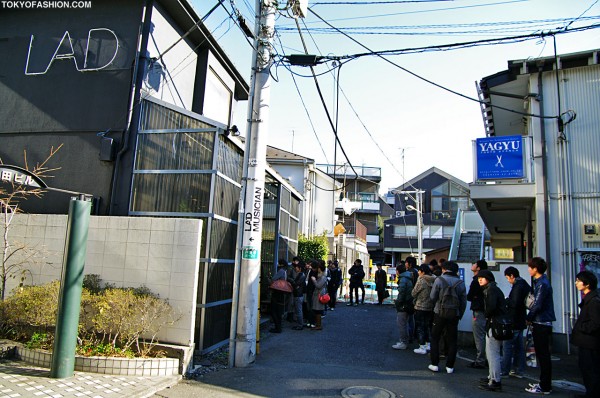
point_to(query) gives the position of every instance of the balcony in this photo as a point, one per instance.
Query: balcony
(346, 172)
(360, 201)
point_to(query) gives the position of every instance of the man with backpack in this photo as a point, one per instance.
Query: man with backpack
(450, 297)
(404, 306)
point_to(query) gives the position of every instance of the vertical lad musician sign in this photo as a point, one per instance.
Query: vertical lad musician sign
(500, 157)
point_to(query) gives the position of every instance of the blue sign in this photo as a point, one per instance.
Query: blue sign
(500, 158)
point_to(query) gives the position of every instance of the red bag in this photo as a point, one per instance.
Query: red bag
(324, 298)
(281, 285)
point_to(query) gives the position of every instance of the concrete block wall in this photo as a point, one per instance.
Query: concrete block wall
(160, 253)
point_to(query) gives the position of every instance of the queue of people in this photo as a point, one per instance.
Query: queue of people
(434, 297)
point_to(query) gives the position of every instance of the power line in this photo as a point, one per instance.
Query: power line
(364, 3)
(426, 11)
(325, 105)
(306, 110)
(379, 54)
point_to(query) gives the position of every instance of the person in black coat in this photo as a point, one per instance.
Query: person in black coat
(514, 349)
(357, 275)
(475, 296)
(494, 307)
(586, 333)
(335, 275)
(380, 284)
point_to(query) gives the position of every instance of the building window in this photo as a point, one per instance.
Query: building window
(447, 199)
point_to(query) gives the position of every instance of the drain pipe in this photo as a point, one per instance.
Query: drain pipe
(544, 167)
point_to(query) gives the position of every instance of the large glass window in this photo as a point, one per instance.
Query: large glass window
(447, 199)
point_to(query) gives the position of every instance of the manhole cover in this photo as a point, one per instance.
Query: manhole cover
(367, 392)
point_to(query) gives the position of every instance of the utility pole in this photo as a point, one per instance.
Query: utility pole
(418, 199)
(250, 228)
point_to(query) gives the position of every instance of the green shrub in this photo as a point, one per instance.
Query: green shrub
(112, 321)
(31, 309)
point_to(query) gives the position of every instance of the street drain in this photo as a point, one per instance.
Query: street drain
(367, 392)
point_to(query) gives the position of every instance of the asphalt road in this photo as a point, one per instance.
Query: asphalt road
(353, 349)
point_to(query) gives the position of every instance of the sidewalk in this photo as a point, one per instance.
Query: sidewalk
(18, 379)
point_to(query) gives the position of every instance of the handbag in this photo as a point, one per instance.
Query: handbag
(502, 328)
(281, 285)
(324, 298)
(529, 300)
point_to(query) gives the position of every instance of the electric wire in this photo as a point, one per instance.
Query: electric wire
(580, 15)
(307, 112)
(401, 174)
(356, 113)
(366, 3)
(379, 54)
(426, 11)
(325, 105)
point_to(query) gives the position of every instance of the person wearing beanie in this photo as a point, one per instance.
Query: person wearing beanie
(494, 304)
(475, 296)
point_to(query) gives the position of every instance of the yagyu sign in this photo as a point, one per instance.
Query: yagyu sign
(500, 158)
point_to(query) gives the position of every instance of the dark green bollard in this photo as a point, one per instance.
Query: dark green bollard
(65, 337)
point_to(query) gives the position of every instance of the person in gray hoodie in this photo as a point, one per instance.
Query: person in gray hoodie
(423, 308)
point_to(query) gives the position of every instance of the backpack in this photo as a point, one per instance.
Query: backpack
(449, 302)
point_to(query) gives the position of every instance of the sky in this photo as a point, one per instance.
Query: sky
(385, 115)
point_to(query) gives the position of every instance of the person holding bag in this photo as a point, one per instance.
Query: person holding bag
(278, 297)
(494, 308)
(320, 283)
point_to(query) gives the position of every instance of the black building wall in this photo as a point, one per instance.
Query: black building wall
(65, 105)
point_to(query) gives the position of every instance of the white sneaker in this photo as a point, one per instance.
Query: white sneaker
(428, 346)
(433, 368)
(421, 350)
(399, 346)
(449, 370)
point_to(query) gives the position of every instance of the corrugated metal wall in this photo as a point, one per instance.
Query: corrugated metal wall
(573, 177)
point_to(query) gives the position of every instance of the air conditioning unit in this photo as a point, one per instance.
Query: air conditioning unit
(399, 213)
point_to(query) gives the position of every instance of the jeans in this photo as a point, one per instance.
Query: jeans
(410, 327)
(492, 352)
(513, 354)
(402, 320)
(423, 321)
(450, 326)
(541, 341)
(298, 301)
(478, 326)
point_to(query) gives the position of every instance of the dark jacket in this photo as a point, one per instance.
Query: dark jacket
(380, 280)
(405, 287)
(299, 284)
(542, 310)
(310, 286)
(415, 275)
(336, 277)
(516, 303)
(586, 332)
(356, 275)
(438, 286)
(475, 295)
(493, 302)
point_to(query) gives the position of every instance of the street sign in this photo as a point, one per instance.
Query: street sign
(20, 176)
